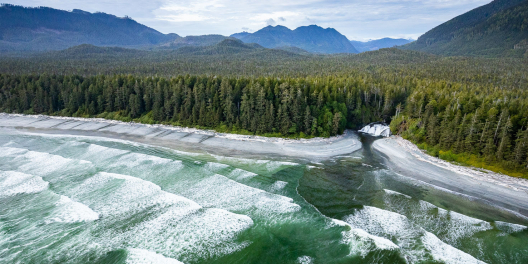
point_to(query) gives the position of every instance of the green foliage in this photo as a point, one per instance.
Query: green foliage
(477, 125)
(470, 110)
(294, 107)
(493, 30)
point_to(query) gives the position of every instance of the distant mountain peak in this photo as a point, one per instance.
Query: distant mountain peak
(312, 38)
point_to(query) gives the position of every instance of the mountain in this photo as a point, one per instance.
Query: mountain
(204, 40)
(497, 29)
(378, 44)
(228, 46)
(43, 28)
(310, 38)
(240, 35)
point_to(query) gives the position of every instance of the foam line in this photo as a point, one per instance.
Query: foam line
(239, 197)
(510, 228)
(397, 227)
(71, 212)
(391, 192)
(125, 194)
(39, 163)
(204, 233)
(361, 243)
(141, 256)
(12, 183)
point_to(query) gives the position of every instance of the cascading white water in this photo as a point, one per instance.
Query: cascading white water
(376, 130)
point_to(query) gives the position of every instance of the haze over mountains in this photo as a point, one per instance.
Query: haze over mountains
(499, 28)
(377, 44)
(43, 29)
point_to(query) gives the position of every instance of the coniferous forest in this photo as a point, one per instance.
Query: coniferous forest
(468, 110)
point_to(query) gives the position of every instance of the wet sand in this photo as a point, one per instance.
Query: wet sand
(403, 157)
(188, 138)
(495, 189)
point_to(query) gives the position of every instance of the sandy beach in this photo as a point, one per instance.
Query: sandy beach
(495, 189)
(189, 138)
(400, 155)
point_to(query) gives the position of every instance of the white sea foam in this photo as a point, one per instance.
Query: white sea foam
(175, 226)
(446, 253)
(305, 260)
(398, 228)
(278, 185)
(509, 228)
(391, 192)
(117, 194)
(205, 233)
(240, 174)
(460, 226)
(12, 183)
(214, 167)
(40, 163)
(10, 151)
(378, 221)
(133, 160)
(269, 165)
(454, 226)
(141, 256)
(70, 212)
(99, 153)
(361, 243)
(239, 197)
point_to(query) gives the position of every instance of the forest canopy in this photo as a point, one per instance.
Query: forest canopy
(473, 111)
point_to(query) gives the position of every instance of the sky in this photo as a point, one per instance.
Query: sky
(356, 19)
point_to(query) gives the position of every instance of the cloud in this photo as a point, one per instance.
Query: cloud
(356, 19)
(271, 22)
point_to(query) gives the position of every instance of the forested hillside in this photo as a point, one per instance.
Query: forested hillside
(497, 29)
(377, 44)
(196, 41)
(469, 110)
(44, 28)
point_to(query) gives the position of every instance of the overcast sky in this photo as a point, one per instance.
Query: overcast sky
(356, 19)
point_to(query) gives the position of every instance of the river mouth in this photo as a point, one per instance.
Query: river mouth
(118, 200)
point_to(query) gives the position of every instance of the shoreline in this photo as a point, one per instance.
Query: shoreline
(317, 148)
(401, 156)
(495, 189)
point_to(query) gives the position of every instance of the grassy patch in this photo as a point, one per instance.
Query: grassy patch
(471, 160)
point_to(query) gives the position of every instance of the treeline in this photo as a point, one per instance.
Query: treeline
(469, 110)
(386, 63)
(480, 125)
(296, 107)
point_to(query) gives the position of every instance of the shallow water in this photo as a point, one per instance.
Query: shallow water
(84, 199)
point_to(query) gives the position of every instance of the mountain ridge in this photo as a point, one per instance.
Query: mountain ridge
(45, 28)
(311, 38)
(491, 30)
